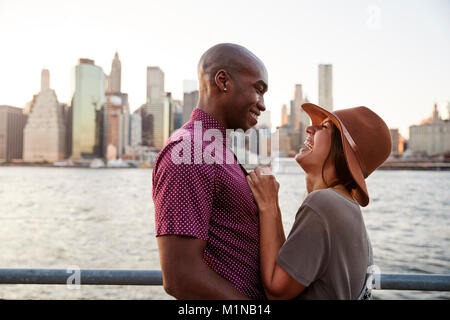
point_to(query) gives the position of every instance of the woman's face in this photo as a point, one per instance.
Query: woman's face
(318, 144)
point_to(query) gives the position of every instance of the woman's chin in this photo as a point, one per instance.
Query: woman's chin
(299, 157)
(301, 154)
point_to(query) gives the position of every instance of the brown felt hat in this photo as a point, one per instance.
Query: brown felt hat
(366, 141)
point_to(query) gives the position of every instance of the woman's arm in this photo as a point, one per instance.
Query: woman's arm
(278, 284)
(271, 239)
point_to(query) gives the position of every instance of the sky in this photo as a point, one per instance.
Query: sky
(391, 56)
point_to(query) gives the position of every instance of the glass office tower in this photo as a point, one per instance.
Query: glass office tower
(87, 105)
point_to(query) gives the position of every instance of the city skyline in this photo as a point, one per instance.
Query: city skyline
(399, 68)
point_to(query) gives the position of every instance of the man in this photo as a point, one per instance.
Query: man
(207, 223)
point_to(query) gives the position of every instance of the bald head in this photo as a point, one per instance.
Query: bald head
(232, 84)
(228, 56)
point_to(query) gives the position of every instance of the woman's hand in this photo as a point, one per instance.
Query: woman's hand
(264, 187)
(265, 190)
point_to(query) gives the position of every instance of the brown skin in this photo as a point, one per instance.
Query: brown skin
(243, 76)
(185, 275)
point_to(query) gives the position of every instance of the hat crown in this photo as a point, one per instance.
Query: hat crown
(370, 134)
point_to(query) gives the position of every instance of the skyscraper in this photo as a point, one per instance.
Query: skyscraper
(177, 112)
(155, 85)
(284, 115)
(136, 129)
(45, 80)
(326, 86)
(45, 131)
(114, 78)
(116, 113)
(68, 121)
(176, 116)
(296, 107)
(190, 100)
(298, 119)
(156, 113)
(12, 122)
(156, 123)
(116, 123)
(147, 126)
(88, 99)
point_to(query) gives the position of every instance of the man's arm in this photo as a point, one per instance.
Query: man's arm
(186, 276)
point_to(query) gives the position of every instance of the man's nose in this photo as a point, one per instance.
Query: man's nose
(261, 106)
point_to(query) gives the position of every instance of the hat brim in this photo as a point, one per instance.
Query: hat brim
(317, 115)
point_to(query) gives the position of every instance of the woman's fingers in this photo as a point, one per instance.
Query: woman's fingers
(262, 180)
(266, 171)
(253, 176)
(263, 176)
(252, 183)
(263, 170)
(249, 180)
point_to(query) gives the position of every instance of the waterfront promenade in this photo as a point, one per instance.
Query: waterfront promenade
(415, 165)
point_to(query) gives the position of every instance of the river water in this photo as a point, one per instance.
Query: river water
(104, 219)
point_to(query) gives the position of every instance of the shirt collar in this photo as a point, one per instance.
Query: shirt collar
(209, 122)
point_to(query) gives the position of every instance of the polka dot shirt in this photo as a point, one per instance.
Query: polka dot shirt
(212, 202)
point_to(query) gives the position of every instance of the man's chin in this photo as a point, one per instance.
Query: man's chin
(244, 127)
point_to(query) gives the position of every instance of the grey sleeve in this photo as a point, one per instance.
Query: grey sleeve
(305, 254)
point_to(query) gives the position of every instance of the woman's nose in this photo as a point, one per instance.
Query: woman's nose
(310, 130)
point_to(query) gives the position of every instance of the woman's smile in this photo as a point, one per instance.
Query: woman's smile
(309, 143)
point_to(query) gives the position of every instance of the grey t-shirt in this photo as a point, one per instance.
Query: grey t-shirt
(327, 248)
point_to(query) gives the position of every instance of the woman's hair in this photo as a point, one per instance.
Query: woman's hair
(337, 155)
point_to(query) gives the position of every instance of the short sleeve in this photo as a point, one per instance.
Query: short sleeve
(183, 197)
(305, 254)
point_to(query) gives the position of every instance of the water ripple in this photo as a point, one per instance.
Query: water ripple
(104, 219)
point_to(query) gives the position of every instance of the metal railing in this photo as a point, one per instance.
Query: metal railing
(421, 282)
(81, 277)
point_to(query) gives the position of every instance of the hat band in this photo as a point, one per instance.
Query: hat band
(353, 146)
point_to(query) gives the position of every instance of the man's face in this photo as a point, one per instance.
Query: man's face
(247, 100)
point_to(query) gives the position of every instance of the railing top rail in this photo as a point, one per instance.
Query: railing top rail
(422, 282)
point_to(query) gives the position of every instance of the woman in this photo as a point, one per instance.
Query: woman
(327, 252)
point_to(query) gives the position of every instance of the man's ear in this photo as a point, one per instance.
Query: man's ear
(222, 80)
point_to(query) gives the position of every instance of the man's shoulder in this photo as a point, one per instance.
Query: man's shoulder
(188, 146)
(174, 140)
(181, 152)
